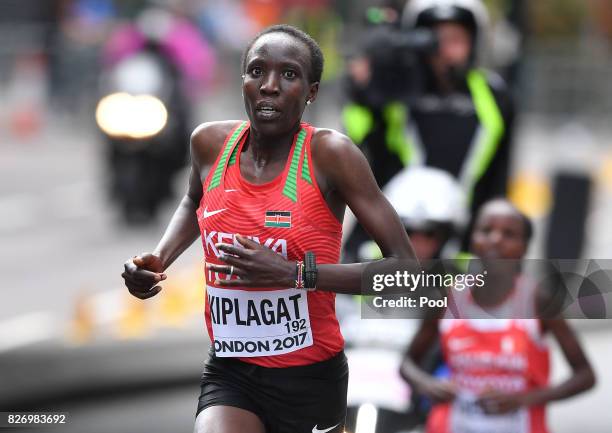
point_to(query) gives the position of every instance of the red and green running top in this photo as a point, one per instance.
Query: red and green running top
(271, 327)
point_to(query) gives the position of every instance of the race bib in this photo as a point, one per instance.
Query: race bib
(264, 323)
(467, 416)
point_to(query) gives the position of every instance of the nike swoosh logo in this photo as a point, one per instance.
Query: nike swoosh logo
(231, 190)
(207, 214)
(325, 430)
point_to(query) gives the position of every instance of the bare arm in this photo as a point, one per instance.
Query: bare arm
(351, 178)
(143, 273)
(582, 378)
(183, 227)
(410, 368)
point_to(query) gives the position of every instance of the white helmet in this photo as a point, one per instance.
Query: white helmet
(471, 13)
(424, 197)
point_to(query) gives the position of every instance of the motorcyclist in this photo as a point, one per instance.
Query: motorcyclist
(159, 54)
(431, 205)
(447, 113)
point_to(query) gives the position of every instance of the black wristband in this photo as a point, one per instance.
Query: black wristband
(310, 270)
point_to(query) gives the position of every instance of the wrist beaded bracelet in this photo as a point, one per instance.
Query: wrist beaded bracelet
(299, 275)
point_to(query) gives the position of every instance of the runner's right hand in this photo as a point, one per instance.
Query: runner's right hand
(142, 274)
(438, 390)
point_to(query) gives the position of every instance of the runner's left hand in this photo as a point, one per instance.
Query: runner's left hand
(254, 264)
(495, 402)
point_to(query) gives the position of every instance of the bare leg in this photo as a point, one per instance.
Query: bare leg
(227, 419)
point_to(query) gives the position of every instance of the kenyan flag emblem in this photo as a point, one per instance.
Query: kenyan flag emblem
(278, 219)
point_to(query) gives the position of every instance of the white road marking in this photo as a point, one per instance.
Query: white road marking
(26, 330)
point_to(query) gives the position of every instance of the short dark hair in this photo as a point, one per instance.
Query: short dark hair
(525, 220)
(316, 55)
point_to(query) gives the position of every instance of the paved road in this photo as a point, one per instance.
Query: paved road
(152, 386)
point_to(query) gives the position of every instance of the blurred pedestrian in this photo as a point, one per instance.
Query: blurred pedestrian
(174, 36)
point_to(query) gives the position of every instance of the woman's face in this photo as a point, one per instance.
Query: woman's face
(499, 233)
(276, 83)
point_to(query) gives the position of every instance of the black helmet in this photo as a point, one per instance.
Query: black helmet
(426, 13)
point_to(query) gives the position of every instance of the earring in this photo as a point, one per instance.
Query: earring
(308, 102)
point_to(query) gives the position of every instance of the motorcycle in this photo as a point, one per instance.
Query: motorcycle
(143, 116)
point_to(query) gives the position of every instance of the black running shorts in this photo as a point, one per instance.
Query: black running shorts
(304, 399)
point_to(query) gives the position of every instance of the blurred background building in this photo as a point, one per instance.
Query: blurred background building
(72, 339)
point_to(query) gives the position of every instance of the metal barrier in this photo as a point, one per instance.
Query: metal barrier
(566, 78)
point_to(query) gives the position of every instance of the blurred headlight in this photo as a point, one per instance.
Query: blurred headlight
(124, 115)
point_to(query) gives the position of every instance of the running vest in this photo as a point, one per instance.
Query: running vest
(508, 355)
(270, 327)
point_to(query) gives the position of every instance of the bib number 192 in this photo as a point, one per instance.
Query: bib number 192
(296, 325)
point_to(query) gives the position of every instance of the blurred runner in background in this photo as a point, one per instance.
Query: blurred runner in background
(499, 368)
